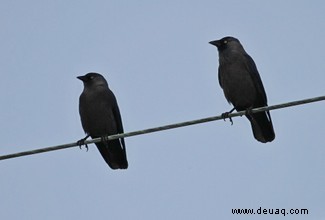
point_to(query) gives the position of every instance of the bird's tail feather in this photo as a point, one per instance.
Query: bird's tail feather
(262, 126)
(114, 154)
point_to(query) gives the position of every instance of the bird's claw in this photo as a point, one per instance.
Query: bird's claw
(104, 138)
(249, 111)
(226, 115)
(82, 142)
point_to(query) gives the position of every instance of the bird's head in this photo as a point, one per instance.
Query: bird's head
(93, 79)
(226, 42)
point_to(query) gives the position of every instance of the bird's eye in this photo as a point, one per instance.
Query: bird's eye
(91, 77)
(225, 41)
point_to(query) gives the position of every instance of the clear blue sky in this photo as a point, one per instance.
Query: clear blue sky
(157, 60)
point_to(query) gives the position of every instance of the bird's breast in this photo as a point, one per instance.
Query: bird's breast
(238, 86)
(96, 113)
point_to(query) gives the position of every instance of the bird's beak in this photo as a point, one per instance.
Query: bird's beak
(82, 78)
(215, 43)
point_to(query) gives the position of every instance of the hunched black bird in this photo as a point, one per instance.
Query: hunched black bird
(242, 86)
(100, 116)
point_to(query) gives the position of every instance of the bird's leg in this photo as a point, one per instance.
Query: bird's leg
(82, 142)
(226, 115)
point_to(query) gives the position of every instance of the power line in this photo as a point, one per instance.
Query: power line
(165, 127)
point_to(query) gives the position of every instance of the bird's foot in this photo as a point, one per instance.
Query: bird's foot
(248, 111)
(82, 142)
(226, 115)
(104, 140)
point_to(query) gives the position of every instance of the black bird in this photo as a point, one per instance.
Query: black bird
(242, 86)
(100, 117)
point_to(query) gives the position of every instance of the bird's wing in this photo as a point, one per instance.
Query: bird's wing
(252, 69)
(219, 76)
(117, 115)
(118, 118)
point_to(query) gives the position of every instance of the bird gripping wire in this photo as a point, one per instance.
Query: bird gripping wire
(165, 127)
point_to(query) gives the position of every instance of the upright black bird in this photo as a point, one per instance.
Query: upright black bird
(242, 85)
(100, 117)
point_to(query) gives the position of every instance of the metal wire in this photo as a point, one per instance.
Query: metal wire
(165, 127)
